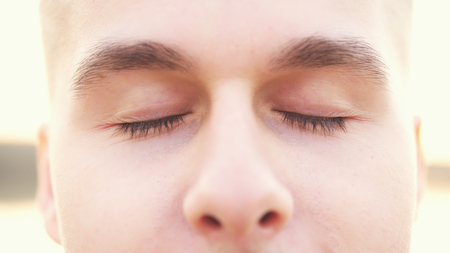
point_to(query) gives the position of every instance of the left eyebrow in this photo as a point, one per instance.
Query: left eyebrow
(320, 52)
(114, 57)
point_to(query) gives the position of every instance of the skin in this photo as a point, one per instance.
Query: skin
(234, 175)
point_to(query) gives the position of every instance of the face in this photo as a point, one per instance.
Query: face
(229, 126)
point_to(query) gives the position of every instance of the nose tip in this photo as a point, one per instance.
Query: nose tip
(237, 213)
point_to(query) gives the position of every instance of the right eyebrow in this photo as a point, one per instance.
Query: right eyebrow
(115, 57)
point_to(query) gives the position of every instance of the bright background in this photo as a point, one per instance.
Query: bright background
(23, 106)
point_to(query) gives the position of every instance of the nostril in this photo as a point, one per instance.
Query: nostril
(269, 219)
(211, 222)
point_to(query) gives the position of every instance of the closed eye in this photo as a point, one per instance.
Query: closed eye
(141, 129)
(325, 125)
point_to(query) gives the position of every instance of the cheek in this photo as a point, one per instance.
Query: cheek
(116, 196)
(351, 190)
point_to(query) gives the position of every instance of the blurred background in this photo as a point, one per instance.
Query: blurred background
(23, 107)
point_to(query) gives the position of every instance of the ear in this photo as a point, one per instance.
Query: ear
(422, 170)
(44, 190)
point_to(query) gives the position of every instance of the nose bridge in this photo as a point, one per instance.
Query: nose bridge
(236, 192)
(232, 121)
(232, 140)
(231, 143)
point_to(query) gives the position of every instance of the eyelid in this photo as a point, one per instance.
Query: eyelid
(324, 124)
(150, 112)
(142, 129)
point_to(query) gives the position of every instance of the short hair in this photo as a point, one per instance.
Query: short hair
(56, 37)
(399, 23)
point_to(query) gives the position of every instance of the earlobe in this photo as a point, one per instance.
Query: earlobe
(421, 166)
(44, 190)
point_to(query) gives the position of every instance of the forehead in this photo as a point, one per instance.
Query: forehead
(224, 22)
(237, 32)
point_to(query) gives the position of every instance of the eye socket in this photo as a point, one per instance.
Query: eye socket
(325, 125)
(142, 129)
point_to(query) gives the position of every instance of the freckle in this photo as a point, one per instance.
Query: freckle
(100, 76)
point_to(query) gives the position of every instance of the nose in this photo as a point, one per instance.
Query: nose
(236, 194)
(238, 203)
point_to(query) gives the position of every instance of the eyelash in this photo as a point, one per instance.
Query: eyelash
(141, 129)
(323, 124)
